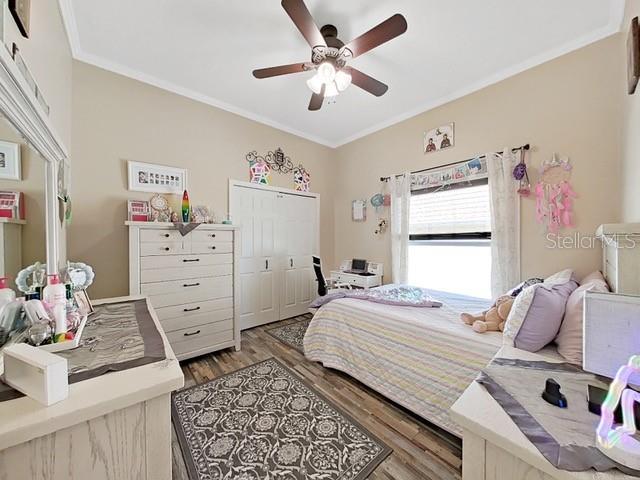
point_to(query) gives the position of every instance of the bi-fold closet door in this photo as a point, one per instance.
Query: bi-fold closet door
(279, 234)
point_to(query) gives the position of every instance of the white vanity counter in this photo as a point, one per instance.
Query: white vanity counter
(115, 426)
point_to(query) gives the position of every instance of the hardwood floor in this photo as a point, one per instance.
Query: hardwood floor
(420, 450)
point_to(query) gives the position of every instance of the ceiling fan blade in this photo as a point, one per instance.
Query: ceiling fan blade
(387, 30)
(279, 70)
(365, 82)
(317, 99)
(299, 13)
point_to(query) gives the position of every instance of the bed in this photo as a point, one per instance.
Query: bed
(420, 358)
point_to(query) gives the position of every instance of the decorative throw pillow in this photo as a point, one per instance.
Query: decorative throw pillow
(515, 291)
(569, 339)
(538, 311)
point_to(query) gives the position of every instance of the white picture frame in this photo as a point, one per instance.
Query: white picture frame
(440, 138)
(149, 177)
(10, 163)
(359, 210)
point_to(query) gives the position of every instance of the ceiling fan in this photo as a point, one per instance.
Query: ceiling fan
(329, 55)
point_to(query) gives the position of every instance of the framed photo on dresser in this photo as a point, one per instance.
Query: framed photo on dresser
(149, 177)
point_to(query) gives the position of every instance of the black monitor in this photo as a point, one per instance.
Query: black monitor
(359, 264)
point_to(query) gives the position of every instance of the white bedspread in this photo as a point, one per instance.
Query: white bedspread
(421, 358)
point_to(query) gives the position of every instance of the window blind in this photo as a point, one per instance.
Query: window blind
(460, 210)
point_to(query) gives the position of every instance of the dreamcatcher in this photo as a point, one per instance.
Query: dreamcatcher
(555, 195)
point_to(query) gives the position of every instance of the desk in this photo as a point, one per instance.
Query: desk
(355, 280)
(494, 448)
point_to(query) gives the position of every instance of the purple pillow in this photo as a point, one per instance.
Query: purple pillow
(537, 312)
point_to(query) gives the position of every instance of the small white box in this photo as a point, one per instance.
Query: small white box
(36, 373)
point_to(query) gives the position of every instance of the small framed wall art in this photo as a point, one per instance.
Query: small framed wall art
(439, 138)
(633, 55)
(359, 210)
(10, 167)
(148, 177)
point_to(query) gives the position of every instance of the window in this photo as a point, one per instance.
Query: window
(450, 239)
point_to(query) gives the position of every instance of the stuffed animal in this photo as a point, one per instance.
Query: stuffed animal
(493, 319)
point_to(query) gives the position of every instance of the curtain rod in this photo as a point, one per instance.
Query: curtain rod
(386, 179)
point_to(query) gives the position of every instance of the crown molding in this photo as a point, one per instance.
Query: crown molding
(616, 18)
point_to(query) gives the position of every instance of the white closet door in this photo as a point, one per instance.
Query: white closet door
(256, 212)
(298, 233)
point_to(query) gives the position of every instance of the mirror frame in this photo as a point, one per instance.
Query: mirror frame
(20, 107)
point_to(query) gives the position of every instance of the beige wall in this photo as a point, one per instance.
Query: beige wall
(630, 133)
(569, 106)
(118, 119)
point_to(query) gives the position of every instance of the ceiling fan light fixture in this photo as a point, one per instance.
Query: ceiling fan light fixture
(331, 90)
(315, 84)
(327, 72)
(343, 80)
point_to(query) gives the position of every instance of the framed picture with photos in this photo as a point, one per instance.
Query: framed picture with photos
(82, 301)
(148, 177)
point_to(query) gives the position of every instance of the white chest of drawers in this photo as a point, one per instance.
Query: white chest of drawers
(190, 281)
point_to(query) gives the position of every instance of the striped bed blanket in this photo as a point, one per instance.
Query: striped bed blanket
(420, 358)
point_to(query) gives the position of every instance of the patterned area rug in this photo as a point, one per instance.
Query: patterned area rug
(263, 422)
(292, 334)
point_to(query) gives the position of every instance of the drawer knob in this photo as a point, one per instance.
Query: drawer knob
(213, 235)
(166, 249)
(213, 247)
(188, 334)
(166, 235)
(187, 260)
(192, 309)
(191, 284)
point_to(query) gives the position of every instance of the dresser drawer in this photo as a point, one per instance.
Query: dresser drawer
(169, 261)
(195, 308)
(195, 326)
(183, 292)
(200, 341)
(181, 323)
(162, 248)
(208, 235)
(182, 273)
(150, 235)
(211, 247)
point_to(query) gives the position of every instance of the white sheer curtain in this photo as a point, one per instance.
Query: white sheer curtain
(400, 195)
(505, 222)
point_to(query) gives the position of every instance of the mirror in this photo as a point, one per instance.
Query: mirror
(29, 207)
(22, 204)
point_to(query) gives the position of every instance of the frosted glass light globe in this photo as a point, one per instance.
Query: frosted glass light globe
(326, 72)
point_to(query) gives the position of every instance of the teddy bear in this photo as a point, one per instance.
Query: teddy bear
(493, 319)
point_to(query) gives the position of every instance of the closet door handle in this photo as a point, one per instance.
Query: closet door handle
(266, 264)
(191, 309)
(188, 334)
(187, 260)
(191, 284)
(291, 262)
